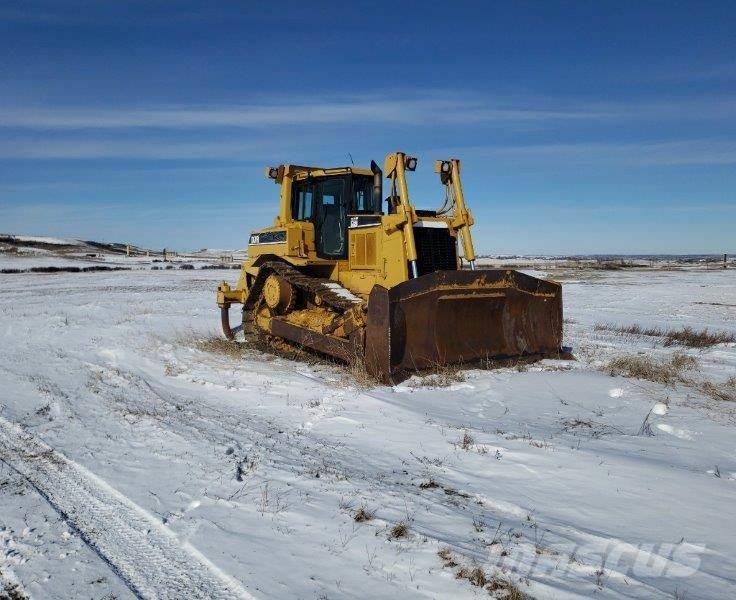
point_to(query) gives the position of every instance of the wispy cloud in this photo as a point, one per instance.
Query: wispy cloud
(149, 149)
(630, 154)
(643, 207)
(667, 153)
(315, 112)
(434, 108)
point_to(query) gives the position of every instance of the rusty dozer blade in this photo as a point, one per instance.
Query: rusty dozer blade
(460, 316)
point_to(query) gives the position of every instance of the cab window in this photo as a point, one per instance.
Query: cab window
(302, 199)
(363, 202)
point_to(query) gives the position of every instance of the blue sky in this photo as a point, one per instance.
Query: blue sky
(583, 127)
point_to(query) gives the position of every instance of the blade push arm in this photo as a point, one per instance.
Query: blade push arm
(395, 167)
(462, 218)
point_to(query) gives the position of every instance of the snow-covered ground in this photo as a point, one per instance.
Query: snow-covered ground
(137, 463)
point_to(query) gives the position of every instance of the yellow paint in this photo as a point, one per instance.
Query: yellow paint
(462, 219)
(376, 254)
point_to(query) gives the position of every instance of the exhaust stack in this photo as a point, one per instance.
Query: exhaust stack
(377, 187)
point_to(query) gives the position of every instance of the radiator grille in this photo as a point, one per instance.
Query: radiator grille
(436, 250)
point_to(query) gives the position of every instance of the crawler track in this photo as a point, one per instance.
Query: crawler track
(323, 287)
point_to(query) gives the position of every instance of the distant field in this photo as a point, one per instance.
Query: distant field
(142, 455)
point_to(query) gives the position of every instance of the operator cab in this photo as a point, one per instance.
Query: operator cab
(328, 202)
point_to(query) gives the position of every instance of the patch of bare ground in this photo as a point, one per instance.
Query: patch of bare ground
(274, 347)
(219, 345)
(687, 336)
(589, 428)
(271, 347)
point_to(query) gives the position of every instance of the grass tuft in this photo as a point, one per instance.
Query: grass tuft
(362, 515)
(496, 586)
(667, 371)
(509, 590)
(400, 530)
(447, 558)
(723, 392)
(359, 375)
(440, 376)
(687, 336)
(475, 575)
(466, 441)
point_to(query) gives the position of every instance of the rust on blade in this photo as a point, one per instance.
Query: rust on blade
(459, 316)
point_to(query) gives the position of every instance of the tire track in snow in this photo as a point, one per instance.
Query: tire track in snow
(143, 552)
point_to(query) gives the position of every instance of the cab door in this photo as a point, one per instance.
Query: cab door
(331, 218)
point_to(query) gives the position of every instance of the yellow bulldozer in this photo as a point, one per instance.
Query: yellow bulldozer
(338, 274)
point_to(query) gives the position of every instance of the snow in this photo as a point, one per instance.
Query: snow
(341, 291)
(659, 409)
(244, 473)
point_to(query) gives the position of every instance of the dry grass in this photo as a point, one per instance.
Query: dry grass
(475, 575)
(359, 375)
(687, 336)
(219, 345)
(400, 530)
(466, 441)
(667, 371)
(440, 376)
(510, 590)
(725, 392)
(447, 559)
(697, 339)
(496, 586)
(671, 371)
(362, 515)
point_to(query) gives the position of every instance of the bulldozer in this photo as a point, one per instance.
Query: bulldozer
(347, 274)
